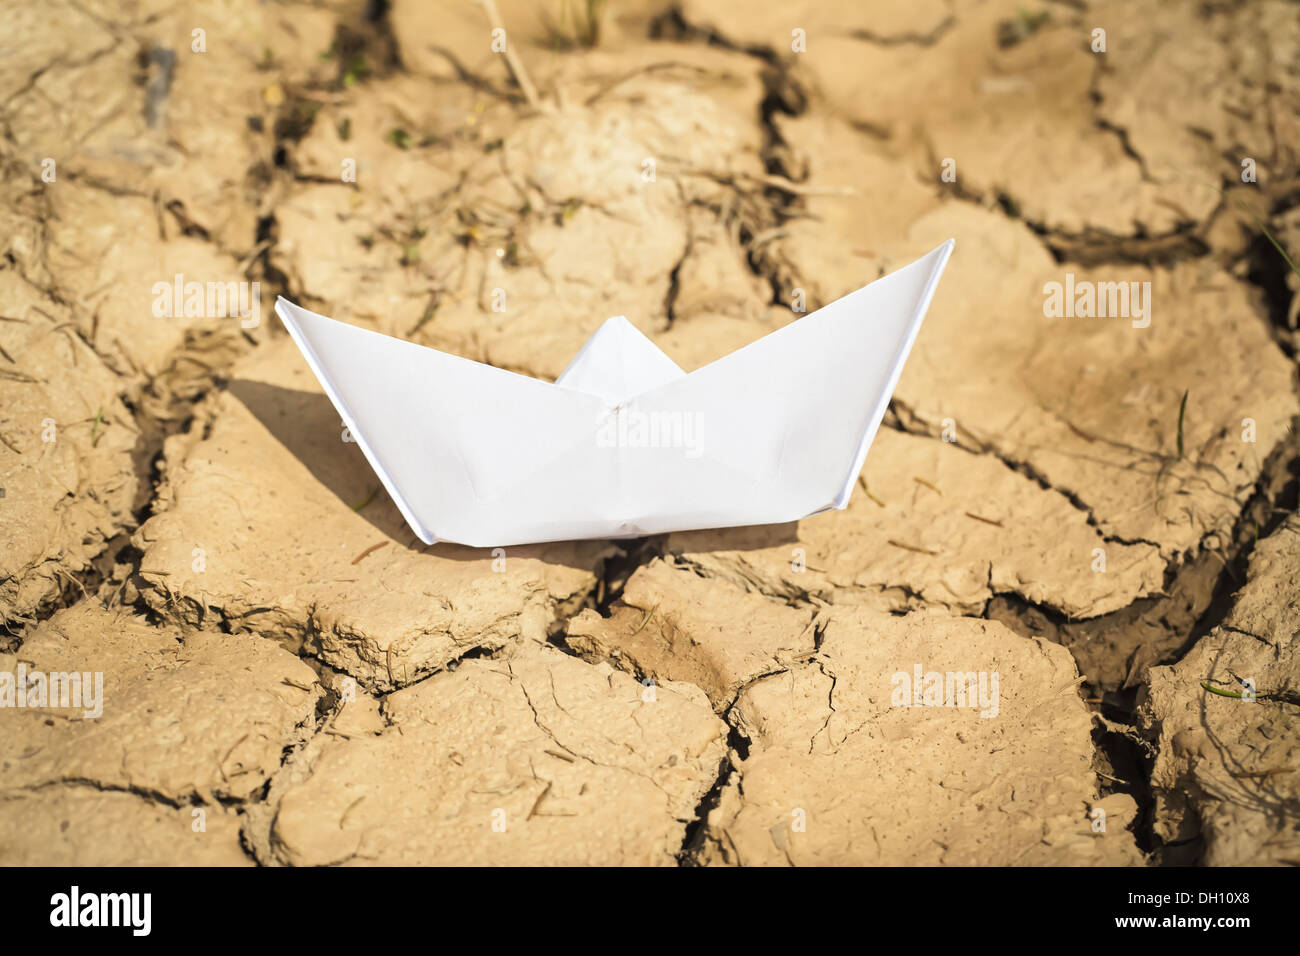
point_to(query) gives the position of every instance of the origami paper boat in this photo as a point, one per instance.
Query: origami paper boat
(624, 442)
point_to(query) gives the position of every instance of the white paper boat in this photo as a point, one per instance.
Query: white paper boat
(624, 442)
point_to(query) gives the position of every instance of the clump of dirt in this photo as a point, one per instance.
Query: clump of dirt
(541, 759)
(66, 467)
(1224, 723)
(672, 624)
(1012, 741)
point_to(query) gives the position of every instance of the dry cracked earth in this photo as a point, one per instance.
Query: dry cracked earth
(1097, 513)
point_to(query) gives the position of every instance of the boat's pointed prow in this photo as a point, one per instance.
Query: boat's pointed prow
(899, 302)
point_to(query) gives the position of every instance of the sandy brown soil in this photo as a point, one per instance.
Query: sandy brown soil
(1096, 514)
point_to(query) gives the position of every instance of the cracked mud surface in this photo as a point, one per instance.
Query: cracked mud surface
(1089, 518)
